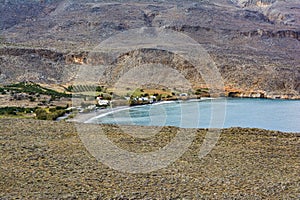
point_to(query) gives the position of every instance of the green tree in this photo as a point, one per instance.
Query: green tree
(98, 89)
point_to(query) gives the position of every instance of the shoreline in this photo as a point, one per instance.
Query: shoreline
(85, 117)
(91, 117)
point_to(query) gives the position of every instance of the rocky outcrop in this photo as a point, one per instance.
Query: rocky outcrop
(273, 34)
(294, 34)
(260, 94)
(76, 58)
(159, 67)
(35, 64)
(42, 53)
(258, 3)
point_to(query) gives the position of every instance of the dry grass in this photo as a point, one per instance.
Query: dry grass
(47, 160)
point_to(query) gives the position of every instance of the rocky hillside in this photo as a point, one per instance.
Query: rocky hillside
(254, 43)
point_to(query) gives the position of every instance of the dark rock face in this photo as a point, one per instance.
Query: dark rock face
(273, 34)
(43, 53)
(254, 43)
(14, 12)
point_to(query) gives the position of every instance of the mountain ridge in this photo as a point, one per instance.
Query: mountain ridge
(253, 43)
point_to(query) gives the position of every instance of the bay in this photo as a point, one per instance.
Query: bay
(280, 115)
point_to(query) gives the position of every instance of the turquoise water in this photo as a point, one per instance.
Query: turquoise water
(281, 115)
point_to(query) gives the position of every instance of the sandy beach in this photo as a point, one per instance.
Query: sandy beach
(84, 117)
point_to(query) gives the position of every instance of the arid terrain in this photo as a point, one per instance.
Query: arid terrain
(255, 44)
(51, 68)
(47, 160)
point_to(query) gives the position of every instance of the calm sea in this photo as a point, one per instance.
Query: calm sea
(281, 115)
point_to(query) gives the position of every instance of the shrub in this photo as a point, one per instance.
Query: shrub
(55, 115)
(31, 99)
(158, 97)
(70, 88)
(41, 114)
(98, 89)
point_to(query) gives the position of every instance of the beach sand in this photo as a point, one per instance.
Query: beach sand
(84, 117)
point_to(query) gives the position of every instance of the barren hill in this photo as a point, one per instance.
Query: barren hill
(47, 160)
(254, 43)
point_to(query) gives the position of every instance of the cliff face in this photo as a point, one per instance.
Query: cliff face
(258, 3)
(277, 11)
(254, 43)
(27, 64)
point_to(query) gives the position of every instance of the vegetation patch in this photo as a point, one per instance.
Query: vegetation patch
(33, 88)
(37, 112)
(16, 110)
(49, 114)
